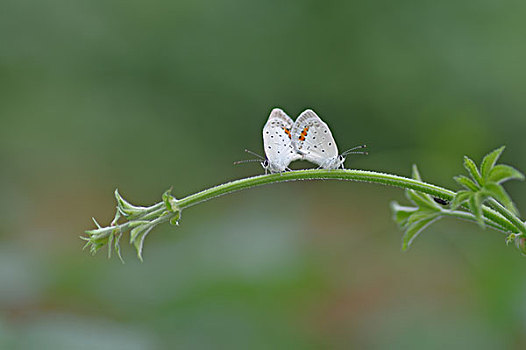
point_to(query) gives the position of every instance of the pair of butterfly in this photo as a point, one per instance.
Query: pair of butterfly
(308, 138)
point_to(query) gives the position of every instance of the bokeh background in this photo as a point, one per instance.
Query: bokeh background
(96, 95)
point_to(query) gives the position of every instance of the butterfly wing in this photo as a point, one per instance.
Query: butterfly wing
(312, 138)
(277, 141)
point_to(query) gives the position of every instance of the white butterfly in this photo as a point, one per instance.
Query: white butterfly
(313, 140)
(277, 141)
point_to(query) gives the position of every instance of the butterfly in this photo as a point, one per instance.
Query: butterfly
(277, 142)
(308, 138)
(313, 140)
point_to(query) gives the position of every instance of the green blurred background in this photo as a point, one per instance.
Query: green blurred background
(141, 96)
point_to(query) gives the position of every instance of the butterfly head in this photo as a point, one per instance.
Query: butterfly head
(334, 162)
(338, 161)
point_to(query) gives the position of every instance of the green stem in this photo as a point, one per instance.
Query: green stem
(316, 174)
(351, 175)
(508, 215)
(151, 214)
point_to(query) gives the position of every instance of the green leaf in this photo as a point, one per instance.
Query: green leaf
(401, 213)
(460, 198)
(95, 246)
(136, 232)
(166, 199)
(116, 218)
(501, 173)
(497, 191)
(415, 229)
(110, 244)
(96, 223)
(418, 198)
(420, 215)
(125, 208)
(466, 182)
(139, 241)
(175, 220)
(471, 167)
(416, 173)
(489, 161)
(118, 246)
(170, 201)
(475, 205)
(421, 200)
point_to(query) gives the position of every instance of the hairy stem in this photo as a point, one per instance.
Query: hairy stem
(514, 220)
(316, 174)
(351, 175)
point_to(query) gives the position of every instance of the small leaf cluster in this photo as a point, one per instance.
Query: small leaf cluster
(413, 220)
(484, 183)
(139, 221)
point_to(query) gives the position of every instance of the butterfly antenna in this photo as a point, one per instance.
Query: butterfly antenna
(246, 161)
(254, 154)
(364, 153)
(350, 150)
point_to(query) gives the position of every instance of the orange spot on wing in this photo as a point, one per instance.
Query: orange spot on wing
(287, 131)
(302, 137)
